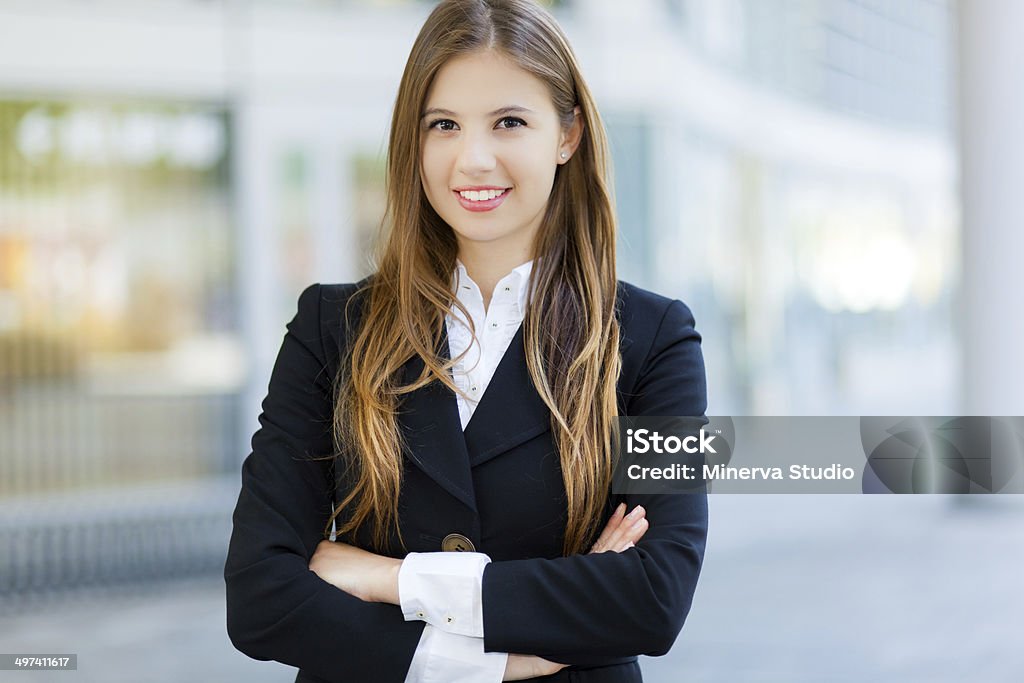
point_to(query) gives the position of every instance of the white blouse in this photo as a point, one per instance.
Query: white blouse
(495, 328)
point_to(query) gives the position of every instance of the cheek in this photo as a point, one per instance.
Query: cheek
(433, 170)
(532, 166)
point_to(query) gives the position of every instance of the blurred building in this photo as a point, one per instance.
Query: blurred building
(173, 173)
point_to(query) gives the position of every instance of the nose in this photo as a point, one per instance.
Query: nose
(476, 155)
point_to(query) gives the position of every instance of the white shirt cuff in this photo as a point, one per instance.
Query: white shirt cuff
(448, 658)
(445, 590)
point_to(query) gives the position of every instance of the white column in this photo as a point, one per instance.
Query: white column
(333, 214)
(258, 262)
(991, 108)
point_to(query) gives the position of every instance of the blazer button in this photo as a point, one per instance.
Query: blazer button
(457, 543)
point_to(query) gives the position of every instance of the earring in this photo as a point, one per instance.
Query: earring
(564, 155)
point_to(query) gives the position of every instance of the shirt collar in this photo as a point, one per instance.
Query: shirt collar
(517, 281)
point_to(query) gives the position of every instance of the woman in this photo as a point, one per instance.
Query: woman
(380, 451)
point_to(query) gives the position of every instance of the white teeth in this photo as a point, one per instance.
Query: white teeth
(480, 195)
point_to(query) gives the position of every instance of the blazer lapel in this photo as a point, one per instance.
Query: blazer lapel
(430, 423)
(510, 410)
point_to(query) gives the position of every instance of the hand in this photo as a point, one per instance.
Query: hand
(367, 576)
(622, 531)
(521, 667)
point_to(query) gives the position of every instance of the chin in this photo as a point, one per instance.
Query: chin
(479, 236)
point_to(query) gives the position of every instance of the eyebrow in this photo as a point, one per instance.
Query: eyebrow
(512, 109)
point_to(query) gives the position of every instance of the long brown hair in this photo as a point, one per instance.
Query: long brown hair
(574, 365)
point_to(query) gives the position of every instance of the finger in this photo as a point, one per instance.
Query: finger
(611, 537)
(549, 668)
(628, 542)
(623, 533)
(630, 530)
(635, 533)
(610, 527)
(616, 518)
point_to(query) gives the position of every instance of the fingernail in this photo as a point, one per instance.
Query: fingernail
(635, 512)
(636, 526)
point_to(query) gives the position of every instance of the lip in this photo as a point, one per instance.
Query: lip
(486, 205)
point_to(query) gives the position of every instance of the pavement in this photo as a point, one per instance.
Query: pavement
(794, 588)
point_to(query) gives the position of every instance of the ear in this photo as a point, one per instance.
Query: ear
(571, 137)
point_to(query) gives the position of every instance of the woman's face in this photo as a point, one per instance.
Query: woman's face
(491, 141)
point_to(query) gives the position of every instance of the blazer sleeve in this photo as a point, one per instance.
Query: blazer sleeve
(277, 608)
(583, 609)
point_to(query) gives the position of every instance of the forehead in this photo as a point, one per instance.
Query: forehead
(481, 82)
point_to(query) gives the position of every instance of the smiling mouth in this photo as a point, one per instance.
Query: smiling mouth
(478, 201)
(481, 195)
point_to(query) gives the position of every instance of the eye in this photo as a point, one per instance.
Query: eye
(512, 122)
(445, 125)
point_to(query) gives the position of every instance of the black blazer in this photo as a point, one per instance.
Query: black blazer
(498, 483)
